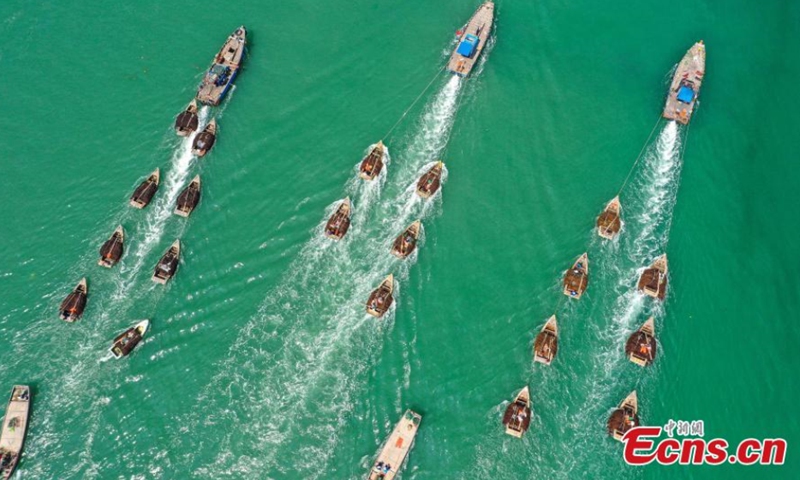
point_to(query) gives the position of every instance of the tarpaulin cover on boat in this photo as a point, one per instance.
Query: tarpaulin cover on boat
(468, 45)
(686, 94)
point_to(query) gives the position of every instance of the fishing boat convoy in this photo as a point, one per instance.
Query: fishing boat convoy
(640, 347)
(216, 83)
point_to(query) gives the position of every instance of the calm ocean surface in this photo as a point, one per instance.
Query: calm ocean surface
(261, 362)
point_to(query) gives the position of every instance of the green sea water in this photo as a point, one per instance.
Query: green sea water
(261, 363)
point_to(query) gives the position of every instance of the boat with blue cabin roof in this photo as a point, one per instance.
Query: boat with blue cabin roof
(472, 40)
(685, 86)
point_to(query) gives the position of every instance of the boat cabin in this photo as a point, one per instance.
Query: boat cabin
(468, 45)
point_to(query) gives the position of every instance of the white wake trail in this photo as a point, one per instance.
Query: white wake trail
(163, 205)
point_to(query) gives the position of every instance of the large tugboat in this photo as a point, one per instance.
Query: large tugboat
(685, 85)
(545, 347)
(641, 345)
(373, 163)
(430, 182)
(72, 307)
(381, 298)
(624, 417)
(186, 123)
(188, 198)
(223, 71)
(609, 222)
(144, 192)
(339, 222)
(653, 281)
(472, 40)
(15, 427)
(396, 448)
(125, 342)
(517, 417)
(205, 140)
(168, 265)
(577, 278)
(112, 249)
(406, 242)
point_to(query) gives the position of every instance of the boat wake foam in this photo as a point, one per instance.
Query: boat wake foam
(160, 211)
(648, 207)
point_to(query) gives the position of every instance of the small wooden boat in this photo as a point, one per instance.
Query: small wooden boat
(205, 140)
(609, 222)
(72, 307)
(624, 417)
(126, 341)
(373, 163)
(685, 86)
(381, 298)
(406, 242)
(220, 76)
(187, 121)
(430, 182)
(339, 222)
(641, 345)
(577, 278)
(545, 347)
(188, 198)
(653, 281)
(396, 448)
(112, 249)
(472, 40)
(517, 417)
(144, 193)
(168, 265)
(15, 428)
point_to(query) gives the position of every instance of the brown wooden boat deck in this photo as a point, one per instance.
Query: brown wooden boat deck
(430, 181)
(621, 421)
(517, 417)
(545, 346)
(609, 224)
(641, 348)
(112, 249)
(380, 300)
(405, 243)
(653, 283)
(339, 223)
(373, 163)
(577, 278)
